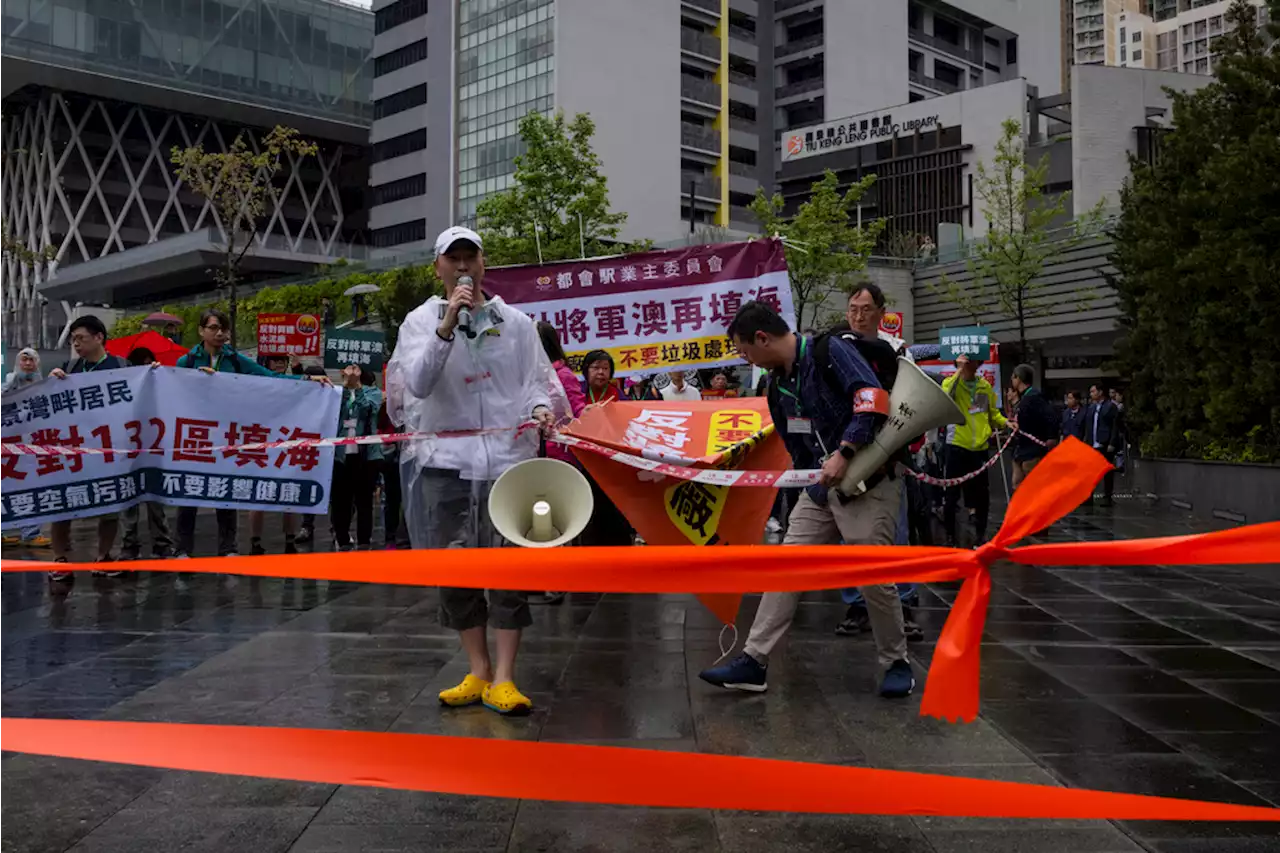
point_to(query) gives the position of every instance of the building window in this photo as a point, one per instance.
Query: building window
(1137, 54)
(1202, 66)
(1124, 53)
(915, 17)
(1011, 51)
(414, 185)
(397, 59)
(948, 74)
(398, 146)
(405, 232)
(947, 30)
(506, 69)
(1137, 36)
(1122, 34)
(414, 96)
(398, 13)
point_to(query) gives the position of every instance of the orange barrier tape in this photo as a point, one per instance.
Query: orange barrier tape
(1060, 482)
(583, 774)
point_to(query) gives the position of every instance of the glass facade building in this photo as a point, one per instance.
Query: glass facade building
(505, 70)
(304, 55)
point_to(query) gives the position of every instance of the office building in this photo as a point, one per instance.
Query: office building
(1166, 35)
(97, 94)
(689, 98)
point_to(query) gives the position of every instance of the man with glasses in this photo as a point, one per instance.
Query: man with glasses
(88, 339)
(216, 354)
(863, 313)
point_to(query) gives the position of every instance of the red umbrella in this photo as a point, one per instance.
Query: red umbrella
(165, 350)
(160, 318)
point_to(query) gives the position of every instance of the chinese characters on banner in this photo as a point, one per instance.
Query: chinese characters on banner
(351, 346)
(288, 334)
(973, 341)
(988, 370)
(183, 411)
(652, 311)
(720, 434)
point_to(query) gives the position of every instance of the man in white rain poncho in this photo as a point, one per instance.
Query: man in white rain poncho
(496, 378)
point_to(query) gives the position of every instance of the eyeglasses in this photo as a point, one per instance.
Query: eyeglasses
(215, 328)
(862, 310)
(82, 339)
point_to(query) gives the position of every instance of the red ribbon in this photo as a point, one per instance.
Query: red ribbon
(1064, 478)
(583, 774)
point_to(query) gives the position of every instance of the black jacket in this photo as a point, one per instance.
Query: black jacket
(1037, 418)
(1108, 431)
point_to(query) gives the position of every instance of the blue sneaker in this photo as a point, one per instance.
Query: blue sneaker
(899, 681)
(742, 673)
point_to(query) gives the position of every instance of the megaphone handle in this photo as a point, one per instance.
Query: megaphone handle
(542, 447)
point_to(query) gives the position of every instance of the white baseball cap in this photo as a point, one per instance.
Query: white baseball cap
(451, 235)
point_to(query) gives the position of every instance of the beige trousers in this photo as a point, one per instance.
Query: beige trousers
(871, 519)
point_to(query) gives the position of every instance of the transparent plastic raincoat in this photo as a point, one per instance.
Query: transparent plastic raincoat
(491, 381)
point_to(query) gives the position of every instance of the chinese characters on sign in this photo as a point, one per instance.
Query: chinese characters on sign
(132, 448)
(288, 334)
(651, 311)
(350, 346)
(973, 341)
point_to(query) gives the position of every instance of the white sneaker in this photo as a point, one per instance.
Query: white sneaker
(232, 554)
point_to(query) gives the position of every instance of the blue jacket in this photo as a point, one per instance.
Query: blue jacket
(229, 361)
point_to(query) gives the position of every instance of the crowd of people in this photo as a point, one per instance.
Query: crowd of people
(467, 361)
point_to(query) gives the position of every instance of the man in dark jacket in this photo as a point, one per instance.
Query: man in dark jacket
(89, 340)
(1036, 419)
(1073, 416)
(1102, 433)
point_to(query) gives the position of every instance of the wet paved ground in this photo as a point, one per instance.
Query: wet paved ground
(1148, 680)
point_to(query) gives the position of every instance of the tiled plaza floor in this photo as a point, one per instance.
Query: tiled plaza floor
(1149, 680)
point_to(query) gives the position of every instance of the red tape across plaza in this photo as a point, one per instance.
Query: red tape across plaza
(597, 774)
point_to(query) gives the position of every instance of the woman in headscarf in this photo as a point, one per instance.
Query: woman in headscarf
(26, 372)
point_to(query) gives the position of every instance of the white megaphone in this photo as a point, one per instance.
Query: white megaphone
(540, 503)
(917, 405)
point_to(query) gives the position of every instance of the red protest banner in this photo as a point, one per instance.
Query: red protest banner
(288, 334)
(726, 434)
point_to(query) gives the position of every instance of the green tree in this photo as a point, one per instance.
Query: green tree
(1006, 263)
(825, 250)
(558, 206)
(238, 183)
(1197, 254)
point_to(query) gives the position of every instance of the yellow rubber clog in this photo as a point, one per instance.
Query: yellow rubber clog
(469, 692)
(507, 700)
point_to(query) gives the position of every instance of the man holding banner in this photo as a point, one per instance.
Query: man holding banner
(89, 340)
(819, 420)
(470, 363)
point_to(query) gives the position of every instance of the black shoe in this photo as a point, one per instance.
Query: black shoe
(914, 633)
(290, 548)
(856, 620)
(305, 535)
(60, 575)
(1105, 502)
(547, 597)
(256, 549)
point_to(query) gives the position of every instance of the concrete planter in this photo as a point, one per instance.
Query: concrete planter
(1247, 494)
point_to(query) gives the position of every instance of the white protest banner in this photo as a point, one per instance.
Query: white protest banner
(651, 311)
(186, 412)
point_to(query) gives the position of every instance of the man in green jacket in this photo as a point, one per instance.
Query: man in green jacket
(967, 445)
